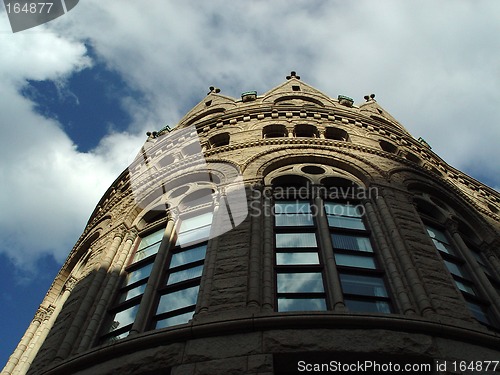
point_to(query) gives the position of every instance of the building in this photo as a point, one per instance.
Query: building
(271, 234)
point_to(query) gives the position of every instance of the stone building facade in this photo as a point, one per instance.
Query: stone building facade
(272, 233)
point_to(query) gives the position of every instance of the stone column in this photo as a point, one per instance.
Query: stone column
(268, 257)
(13, 364)
(74, 330)
(388, 260)
(333, 289)
(477, 272)
(145, 306)
(108, 290)
(209, 264)
(255, 267)
(416, 286)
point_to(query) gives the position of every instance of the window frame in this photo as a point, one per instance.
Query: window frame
(377, 272)
(300, 267)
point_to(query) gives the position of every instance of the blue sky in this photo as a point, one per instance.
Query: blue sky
(78, 94)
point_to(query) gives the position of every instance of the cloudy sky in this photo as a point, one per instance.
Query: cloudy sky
(78, 94)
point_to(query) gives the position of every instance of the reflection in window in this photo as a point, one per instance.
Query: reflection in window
(177, 301)
(310, 282)
(284, 258)
(293, 213)
(456, 266)
(295, 240)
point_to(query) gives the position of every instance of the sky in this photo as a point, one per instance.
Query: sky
(77, 95)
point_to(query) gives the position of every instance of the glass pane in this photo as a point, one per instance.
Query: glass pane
(368, 306)
(193, 236)
(289, 220)
(297, 258)
(188, 256)
(176, 300)
(147, 251)
(301, 304)
(454, 269)
(292, 207)
(310, 282)
(295, 240)
(355, 261)
(363, 285)
(138, 274)
(345, 222)
(183, 275)
(437, 234)
(131, 293)
(151, 239)
(342, 241)
(479, 312)
(443, 247)
(174, 320)
(465, 287)
(124, 318)
(340, 209)
(196, 222)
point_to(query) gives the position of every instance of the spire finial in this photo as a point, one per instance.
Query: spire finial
(293, 74)
(213, 89)
(369, 97)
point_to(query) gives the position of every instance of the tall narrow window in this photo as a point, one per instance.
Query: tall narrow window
(299, 272)
(123, 313)
(360, 276)
(179, 291)
(456, 266)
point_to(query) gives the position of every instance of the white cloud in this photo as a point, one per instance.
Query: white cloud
(48, 188)
(434, 66)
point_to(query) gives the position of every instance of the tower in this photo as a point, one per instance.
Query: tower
(272, 234)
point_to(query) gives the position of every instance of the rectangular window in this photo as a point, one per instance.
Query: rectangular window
(350, 242)
(293, 213)
(301, 304)
(345, 216)
(149, 245)
(296, 258)
(194, 230)
(293, 240)
(307, 282)
(350, 260)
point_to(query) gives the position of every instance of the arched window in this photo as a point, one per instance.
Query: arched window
(388, 147)
(219, 140)
(306, 130)
(336, 134)
(274, 131)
